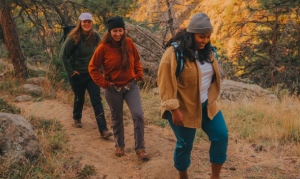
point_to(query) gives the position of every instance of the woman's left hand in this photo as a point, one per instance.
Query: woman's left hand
(177, 117)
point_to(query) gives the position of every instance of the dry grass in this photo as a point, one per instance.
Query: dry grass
(253, 121)
(54, 160)
(277, 122)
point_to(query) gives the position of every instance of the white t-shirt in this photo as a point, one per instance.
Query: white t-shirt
(207, 73)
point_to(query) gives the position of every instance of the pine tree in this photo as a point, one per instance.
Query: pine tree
(268, 53)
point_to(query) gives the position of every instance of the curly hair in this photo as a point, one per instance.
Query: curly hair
(186, 42)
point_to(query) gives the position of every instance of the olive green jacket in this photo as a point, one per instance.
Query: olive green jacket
(79, 60)
(183, 92)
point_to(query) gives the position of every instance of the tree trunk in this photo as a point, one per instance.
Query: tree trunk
(1, 34)
(171, 20)
(12, 41)
(298, 30)
(274, 48)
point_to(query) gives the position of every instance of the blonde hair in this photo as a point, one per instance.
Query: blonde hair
(76, 34)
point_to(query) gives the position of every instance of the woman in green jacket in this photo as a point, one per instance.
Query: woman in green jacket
(189, 101)
(76, 54)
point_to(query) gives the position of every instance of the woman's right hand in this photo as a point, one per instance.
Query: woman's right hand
(75, 72)
(177, 117)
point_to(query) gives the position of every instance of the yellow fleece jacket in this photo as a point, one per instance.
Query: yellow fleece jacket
(183, 92)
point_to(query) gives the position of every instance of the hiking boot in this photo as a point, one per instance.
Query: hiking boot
(120, 151)
(106, 134)
(142, 154)
(77, 123)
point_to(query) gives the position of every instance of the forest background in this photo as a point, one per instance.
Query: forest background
(259, 40)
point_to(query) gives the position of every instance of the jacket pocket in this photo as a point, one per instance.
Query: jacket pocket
(188, 78)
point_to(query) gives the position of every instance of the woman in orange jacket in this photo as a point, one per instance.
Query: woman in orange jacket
(122, 69)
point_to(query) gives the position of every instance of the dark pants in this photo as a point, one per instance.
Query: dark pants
(79, 84)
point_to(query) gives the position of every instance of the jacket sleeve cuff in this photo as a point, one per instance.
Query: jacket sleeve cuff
(107, 85)
(170, 104)
(139, 77)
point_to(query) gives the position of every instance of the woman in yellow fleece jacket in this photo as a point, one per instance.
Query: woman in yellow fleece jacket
(189, 101)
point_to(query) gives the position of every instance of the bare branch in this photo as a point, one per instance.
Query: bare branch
(156, 22)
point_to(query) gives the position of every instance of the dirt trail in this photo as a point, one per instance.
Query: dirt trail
(86, 143)
(243, 161)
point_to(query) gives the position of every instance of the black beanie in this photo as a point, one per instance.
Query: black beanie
(115, 22)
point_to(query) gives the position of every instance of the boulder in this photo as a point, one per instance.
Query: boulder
(17, 138)
(39, 86)
(149, 46)
(33, 89)
(23, 98)
(41, 81)
(236, 91)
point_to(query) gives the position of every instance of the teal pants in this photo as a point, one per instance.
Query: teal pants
(215, 129)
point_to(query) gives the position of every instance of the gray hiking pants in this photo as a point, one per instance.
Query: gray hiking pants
(133, 99)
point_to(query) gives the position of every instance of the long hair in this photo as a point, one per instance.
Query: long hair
(186, 41)
(123, 48)
(76, 34)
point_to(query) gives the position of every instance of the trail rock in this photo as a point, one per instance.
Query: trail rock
(23, 98)
(232, 168)
(41, 81)
(39, 86)
(155, 90)
(17, 138)
(33, 89)
(5, 97)
(233, 91)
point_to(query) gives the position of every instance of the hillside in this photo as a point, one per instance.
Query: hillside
(263, 139)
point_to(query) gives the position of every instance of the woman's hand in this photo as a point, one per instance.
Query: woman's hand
(138, 78)
(177, 117)
(75, 72)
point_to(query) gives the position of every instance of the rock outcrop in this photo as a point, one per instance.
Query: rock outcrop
(149, 46)
(17, 138)
(233, 91)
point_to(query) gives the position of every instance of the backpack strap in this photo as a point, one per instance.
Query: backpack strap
(179, 58)
(214, 51)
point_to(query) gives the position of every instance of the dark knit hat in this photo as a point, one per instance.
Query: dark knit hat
(115, 22)
(200, 24)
